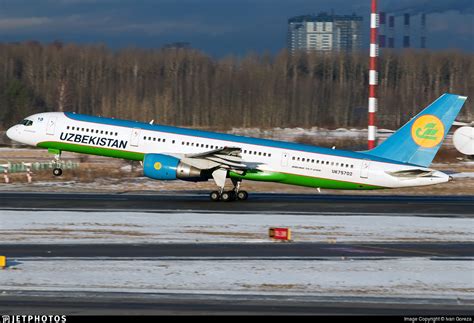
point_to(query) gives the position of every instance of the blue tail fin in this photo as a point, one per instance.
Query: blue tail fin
(418, 141)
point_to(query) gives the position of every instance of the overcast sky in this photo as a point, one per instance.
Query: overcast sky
(218, 27)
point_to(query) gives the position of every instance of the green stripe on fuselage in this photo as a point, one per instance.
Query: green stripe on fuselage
(83, 149)
(301, 180)
(252, 175)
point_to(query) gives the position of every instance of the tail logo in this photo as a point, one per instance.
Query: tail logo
(157, 165)
(427, 131)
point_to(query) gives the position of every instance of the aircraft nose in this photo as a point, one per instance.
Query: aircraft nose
(12, 132)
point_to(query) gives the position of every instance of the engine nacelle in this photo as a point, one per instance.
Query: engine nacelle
(164, 167)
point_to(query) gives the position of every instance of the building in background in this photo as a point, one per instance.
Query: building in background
(413, 34)
(324, 32)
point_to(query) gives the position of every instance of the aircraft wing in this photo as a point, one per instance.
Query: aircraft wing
(227, 157)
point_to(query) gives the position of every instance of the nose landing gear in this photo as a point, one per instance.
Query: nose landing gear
(57, 171)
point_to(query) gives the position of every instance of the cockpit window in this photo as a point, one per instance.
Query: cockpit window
(27, 122)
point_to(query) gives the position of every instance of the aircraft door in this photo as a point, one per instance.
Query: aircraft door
(135, 138)
(51, 126)
(284, 159)
(364, 170)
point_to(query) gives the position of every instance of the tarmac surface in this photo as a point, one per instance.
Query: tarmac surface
(221, 251)
(442, 206)
(90, 303)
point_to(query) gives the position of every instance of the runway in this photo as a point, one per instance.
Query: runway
(432, 206)
(90, 303)
(233, 251)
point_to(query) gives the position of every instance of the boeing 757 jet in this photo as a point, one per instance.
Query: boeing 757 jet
(171, 153)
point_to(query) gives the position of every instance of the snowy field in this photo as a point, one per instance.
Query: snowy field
(408, 278)
(141, 227)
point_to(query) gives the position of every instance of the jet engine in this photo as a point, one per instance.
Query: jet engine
(165, 167)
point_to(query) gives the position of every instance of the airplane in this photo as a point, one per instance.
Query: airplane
(171, 153)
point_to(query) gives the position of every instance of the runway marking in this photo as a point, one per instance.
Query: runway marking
(222, 212)
(408, 251)
(354, 250)
(170, 258)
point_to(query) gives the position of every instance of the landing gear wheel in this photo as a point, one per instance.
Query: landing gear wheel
(215, 196)
(242, 195)
(228, 196)
(57, 172)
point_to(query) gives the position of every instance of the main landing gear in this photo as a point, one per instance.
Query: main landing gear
(227, 196)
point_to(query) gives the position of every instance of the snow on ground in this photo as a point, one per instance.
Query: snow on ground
(140, 227)
(292, 134)
(463, 175)
(414, 277)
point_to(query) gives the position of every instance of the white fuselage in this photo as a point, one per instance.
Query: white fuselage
(288, 159)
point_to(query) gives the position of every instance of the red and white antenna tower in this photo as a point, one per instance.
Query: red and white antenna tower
(373, 75)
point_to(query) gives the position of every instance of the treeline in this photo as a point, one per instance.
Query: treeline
(189, 88)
